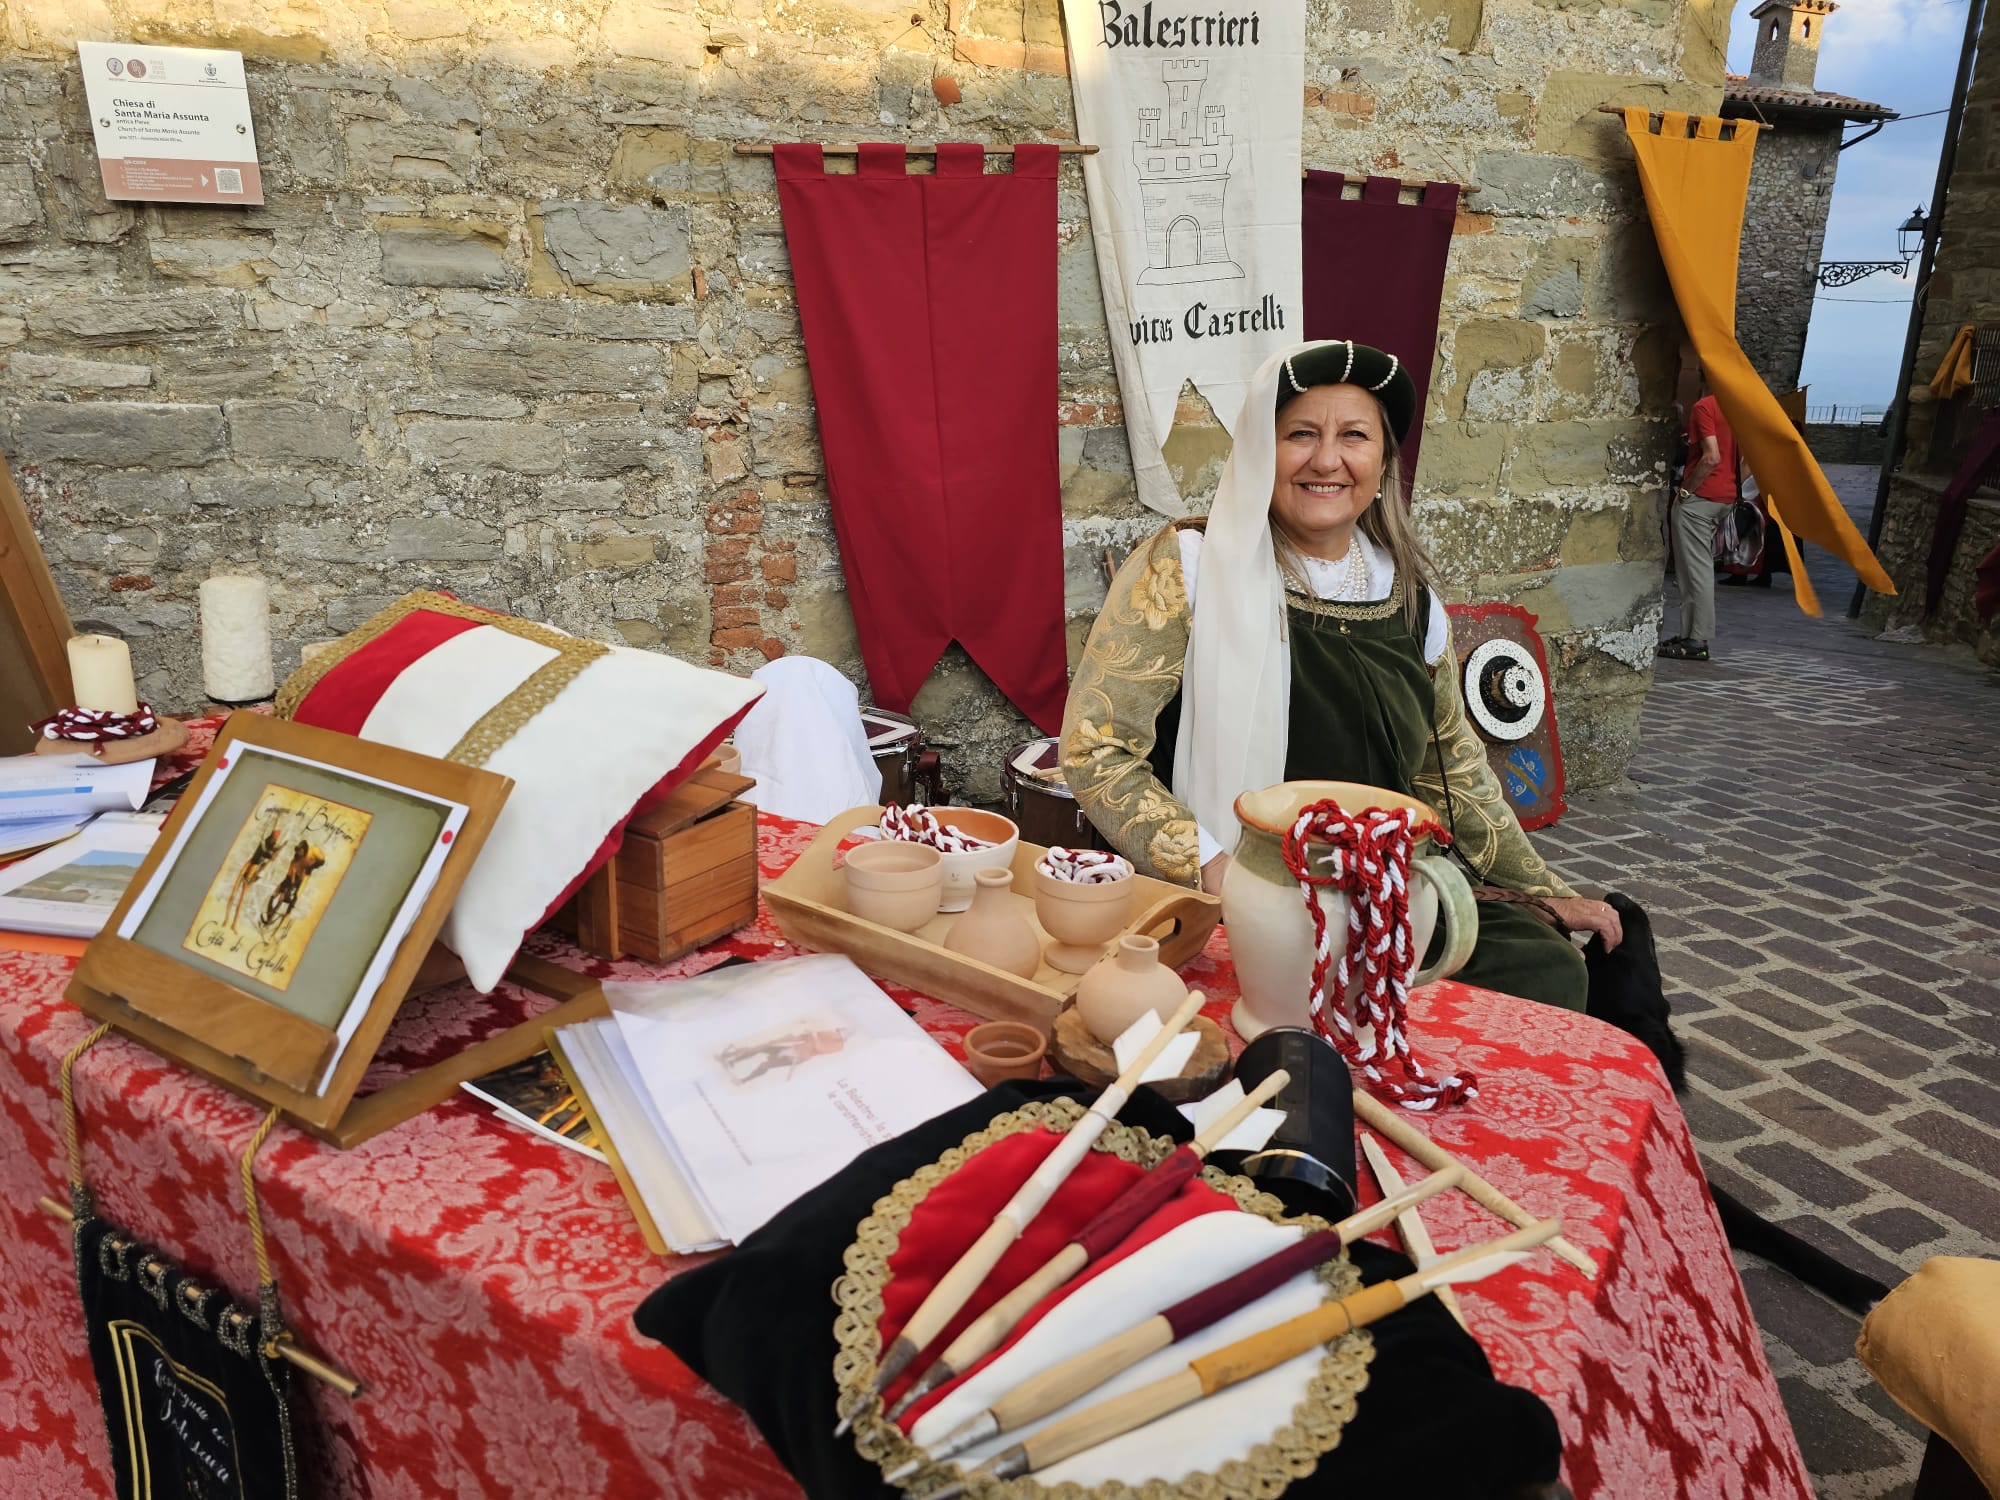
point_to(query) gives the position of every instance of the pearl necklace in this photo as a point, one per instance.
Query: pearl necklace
(1352, 581)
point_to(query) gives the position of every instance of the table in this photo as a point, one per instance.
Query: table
(481, 1282)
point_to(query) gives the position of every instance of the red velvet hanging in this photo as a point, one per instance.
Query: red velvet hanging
(929, 310)
(1374, 273)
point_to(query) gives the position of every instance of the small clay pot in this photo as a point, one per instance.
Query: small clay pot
(1001, 1050)
(728, 759)
(994, 929)
(1128, 980)
(1082, 917)
(959, 869)
(893, 884)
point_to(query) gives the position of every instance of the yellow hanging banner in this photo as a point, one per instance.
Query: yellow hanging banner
(1695, 186)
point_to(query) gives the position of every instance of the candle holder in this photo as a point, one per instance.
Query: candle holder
(115, 739)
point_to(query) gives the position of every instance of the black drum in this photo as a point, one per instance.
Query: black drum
(1040, 801)
(895, 742)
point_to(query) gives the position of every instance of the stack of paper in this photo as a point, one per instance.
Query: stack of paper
(71, 890)
(722, 1098)
(46, 798)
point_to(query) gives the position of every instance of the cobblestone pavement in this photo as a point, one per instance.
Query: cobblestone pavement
(1813, 821)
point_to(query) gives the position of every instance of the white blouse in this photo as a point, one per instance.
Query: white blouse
(1325, 578)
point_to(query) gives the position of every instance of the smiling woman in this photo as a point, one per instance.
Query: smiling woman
(1297, 635)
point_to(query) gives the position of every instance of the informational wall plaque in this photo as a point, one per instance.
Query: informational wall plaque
(172, 123)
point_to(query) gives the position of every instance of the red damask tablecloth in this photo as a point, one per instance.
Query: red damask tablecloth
(482, 1282)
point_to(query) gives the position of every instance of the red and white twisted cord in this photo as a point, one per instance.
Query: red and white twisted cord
(1083, 866)
(90, 726)
(917, 824)
(1369, 864)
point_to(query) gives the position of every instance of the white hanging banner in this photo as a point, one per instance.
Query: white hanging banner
(1196, 108)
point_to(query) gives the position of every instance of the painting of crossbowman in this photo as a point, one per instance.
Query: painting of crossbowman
(276, 881)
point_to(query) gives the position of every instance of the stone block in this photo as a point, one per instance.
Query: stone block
(1461, 20)
(662, 31)
(1567, 122)
(441, 539)
(618, 245)
(1508, 346)
(599, 495)
(75, 374)
(1566, 455)
(617, 549)
(383, 151)
(651, 159)
(1524, 184)
(784, 442)
(118, 434)
(82, 214)
(445, 256)
(252, 492)
(512, 447)
(530, 361)
(143, 319)
(1629, 284)
(601, 449)
(292, 432)
(20, 204)
(1461, 458)
(137, 493)
(422, 21)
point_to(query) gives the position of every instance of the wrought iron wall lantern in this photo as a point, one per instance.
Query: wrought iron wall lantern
(1909, 240)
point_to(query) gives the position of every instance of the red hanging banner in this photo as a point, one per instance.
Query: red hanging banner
(929, 310)
(1374, 273)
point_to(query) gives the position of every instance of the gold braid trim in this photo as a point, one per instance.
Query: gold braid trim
(1291, 1452)
(1483, 823)
(498, 724)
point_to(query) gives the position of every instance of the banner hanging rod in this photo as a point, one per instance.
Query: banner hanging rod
(1412, 184)
(1651, 115)
(1066, 148)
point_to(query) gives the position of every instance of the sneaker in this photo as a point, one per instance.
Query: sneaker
(1682, 649)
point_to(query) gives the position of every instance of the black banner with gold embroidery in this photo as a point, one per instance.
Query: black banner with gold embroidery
(192, 1409)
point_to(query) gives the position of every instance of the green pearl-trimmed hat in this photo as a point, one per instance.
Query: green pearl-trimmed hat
(1344, 362)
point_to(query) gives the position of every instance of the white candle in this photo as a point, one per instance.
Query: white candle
(236, 640)
(100, 674)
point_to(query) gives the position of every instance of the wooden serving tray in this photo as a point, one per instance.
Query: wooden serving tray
(809, 902)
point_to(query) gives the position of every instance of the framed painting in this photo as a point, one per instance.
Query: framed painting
(288, 903)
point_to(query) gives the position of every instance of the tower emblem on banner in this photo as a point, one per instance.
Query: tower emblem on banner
(1194, 201)
(1183, 181)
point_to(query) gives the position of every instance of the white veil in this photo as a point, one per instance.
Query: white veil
(1236, 684)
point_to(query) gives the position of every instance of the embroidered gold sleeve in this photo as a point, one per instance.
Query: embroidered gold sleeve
(1482, 822)
(1131, 669)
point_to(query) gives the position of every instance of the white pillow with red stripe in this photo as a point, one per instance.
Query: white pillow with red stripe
(620, 733)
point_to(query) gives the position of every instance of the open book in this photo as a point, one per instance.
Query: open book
(70, 890)
(722, 1098)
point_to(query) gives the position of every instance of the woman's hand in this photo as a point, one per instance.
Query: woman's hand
(1582, 914)
(1212, 873)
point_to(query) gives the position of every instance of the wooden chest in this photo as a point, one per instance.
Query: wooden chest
(685, 875)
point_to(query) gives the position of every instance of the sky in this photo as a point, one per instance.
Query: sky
(1903, 54)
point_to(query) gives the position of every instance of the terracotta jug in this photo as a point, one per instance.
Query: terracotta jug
(995, 930)
(1126, 981)
(1270, 929)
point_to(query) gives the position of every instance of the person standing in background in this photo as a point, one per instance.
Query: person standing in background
(1707, 491)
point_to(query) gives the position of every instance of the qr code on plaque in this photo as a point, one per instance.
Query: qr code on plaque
(228, 180)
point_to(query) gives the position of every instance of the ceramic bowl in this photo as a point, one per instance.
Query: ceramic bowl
(1001, 1050)
(959, 869)
(893, 884)
(1082, 917)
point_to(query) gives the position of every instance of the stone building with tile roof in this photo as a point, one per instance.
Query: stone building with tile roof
(1791, 182)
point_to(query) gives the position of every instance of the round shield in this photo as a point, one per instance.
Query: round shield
(1505, 676)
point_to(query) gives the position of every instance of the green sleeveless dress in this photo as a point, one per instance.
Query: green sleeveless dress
(1361, 711)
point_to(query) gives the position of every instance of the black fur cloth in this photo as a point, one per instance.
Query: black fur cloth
(1626, 991)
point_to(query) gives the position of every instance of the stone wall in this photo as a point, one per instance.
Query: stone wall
(1964, 288)
(1784, 227)
(1846, 442)
(517, 323)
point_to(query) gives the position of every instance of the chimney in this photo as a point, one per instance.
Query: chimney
(1788, 35)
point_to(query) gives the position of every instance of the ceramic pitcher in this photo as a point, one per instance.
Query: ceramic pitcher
(1270, 929)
